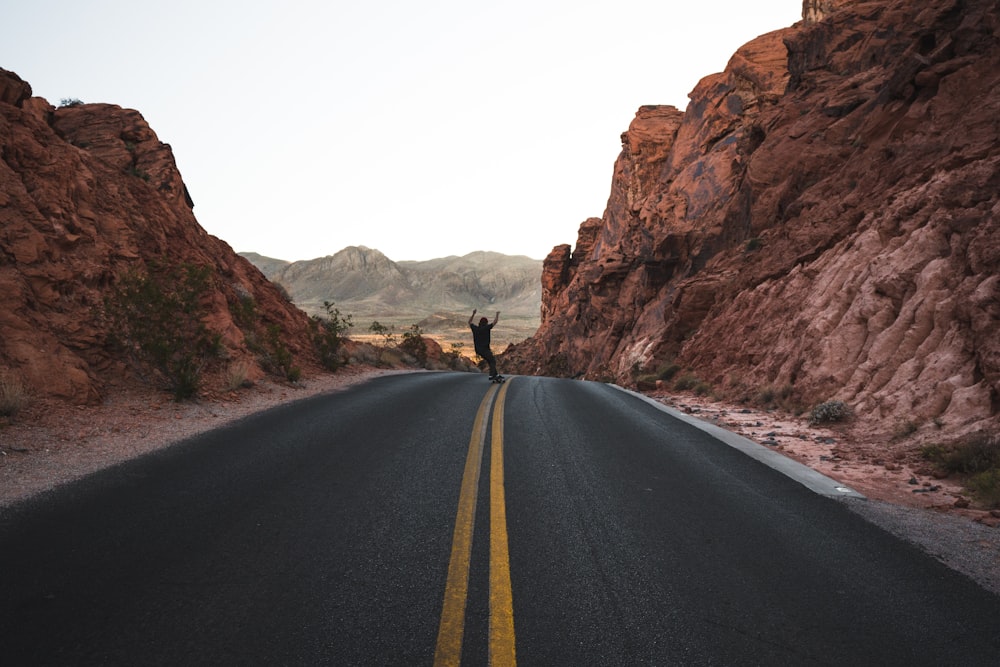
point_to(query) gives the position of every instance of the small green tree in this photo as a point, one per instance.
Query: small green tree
(413, 343)
(387, 338)
(157, 318)
(329, 333)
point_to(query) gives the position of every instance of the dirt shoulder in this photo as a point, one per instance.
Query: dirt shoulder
(51, 443)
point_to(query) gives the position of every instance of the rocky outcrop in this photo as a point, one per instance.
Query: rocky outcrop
(364, 282)
(88, 193)
(822, 218)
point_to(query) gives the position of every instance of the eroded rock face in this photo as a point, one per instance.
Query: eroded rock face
(823, 217)
(87, 193)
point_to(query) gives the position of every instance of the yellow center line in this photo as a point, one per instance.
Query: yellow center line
(501, 597)
(452, 627)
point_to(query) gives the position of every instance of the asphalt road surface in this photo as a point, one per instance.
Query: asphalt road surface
(434, 517)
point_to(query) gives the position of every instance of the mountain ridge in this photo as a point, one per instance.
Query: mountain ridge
(435, 294)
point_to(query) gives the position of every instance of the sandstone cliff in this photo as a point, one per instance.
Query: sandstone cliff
(824, 218)
(88, 193)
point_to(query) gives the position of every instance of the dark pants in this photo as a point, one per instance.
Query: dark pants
(490, 359)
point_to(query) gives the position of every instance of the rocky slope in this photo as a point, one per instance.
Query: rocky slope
(88, 193)
(823, 219)
(438, 294)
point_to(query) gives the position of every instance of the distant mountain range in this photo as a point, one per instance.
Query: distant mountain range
(437, 294)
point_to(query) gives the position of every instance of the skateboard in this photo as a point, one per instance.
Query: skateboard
(497, 379)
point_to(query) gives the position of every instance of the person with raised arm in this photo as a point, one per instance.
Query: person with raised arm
(481, 341)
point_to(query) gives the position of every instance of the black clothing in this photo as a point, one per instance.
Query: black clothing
(481, 337)
(481, 341)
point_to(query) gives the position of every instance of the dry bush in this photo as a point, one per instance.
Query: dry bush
(13, 395)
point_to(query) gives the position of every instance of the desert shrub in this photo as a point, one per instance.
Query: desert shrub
(243, 309)
(667, 372)
(646, 382)
(686, 381)
(236, 376)
(933, 452)
(985, 487)
(413, 344)
(278, 358)
(701, 388)
(766, 396)
(70, 102)
(328, 335)
(979, 453)
(978, 456)
(776, 397)
(157, 318)
(904, 429)
(830, 412)
(386, 338)
(13, 395)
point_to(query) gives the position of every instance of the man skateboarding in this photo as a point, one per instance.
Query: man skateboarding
(481, 341)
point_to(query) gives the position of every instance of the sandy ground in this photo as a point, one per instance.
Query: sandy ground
(51, 443)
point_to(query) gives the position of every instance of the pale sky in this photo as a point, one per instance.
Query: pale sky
(423, 129)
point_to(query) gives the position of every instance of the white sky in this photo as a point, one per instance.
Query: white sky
(423, 129)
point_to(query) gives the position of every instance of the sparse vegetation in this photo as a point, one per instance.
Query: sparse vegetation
(985, 486)
(329, 333)
(667, 371)
(978, 453)
(244, 309)
(772, 397)
(236, 376)
(386, 339)
(904, 429)
(13, 395)
(978, 458)
(157, 318)
(647, 381)
(691, 382)
(70, 102)
(685, 382)
(830, 412)
(413, 344)
(279, 357)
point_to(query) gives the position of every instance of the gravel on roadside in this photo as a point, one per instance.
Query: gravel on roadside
(963, 545)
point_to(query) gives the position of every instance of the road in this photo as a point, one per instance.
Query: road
(428, 518)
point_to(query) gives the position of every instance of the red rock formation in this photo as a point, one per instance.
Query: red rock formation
(88, 192)
(824, 217)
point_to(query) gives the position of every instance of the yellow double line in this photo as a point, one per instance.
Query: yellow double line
(501, 639)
